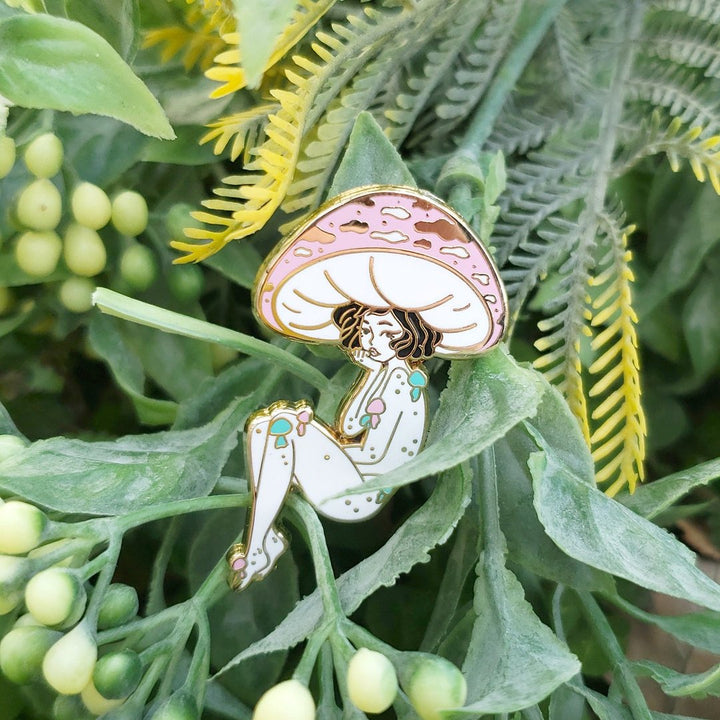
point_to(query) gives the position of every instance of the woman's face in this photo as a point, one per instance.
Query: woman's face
(376, 332)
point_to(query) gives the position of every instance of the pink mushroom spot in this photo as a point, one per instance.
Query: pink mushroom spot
(355, 226)
(239, 564)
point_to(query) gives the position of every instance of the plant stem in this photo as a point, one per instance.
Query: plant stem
(311, 528)
(179, 507)
(316, 641)
(610, 645)
(507, 76)
(143, 313)
(109, 562)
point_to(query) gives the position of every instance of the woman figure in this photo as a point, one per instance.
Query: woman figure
(393, 276)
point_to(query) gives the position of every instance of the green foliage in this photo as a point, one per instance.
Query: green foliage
(54, 63)
(544, 124)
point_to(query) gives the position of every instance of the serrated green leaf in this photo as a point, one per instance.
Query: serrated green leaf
(656, 497)
(108, 342)
(513, 661)
(258, 33)
(677, 684)
(7, 426)
(597, 530)
(427, 527)
(115, 21)
(111, 478)
(369, 159)
(50, 62)
(484, 398)
(699, 629)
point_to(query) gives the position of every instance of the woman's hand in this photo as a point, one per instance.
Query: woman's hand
(363, 358)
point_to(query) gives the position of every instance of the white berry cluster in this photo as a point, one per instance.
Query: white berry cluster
(60, 227)
(44, 585)
(431, 684)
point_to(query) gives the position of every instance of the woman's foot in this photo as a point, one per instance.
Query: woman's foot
(256, 564)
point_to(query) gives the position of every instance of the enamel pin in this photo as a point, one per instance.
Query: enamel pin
(393, 276)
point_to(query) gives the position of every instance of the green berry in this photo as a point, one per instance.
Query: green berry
(118, 674)
(434, 684)
(6, 299)
(10, 445)
(39, 206)
(70, 707)
(221, 355)
(68, 665)
(55, 597)
(44, 155)
(37, 253)
(22, 651)
(97, 703)
(129, 213)
(76, 294)
(21, 527)
(186, 282)
(181, 706)
(7, 155)
(91, 206)
(137, 267)
(84, 251)
(119, 605)
(289, 700)
(13, 571)
(371, 681)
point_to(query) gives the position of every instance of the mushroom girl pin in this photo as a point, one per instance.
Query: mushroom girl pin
(393, 276)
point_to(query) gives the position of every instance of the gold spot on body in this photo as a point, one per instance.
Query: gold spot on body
(422, 243)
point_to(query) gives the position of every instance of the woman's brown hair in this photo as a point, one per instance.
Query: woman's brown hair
(417, 341)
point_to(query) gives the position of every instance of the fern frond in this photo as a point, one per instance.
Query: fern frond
(685, 41)
(246, 202)
(618, 439)
(693, 144)
(707, 10)
(242, 128)
(559, 346)
(471, 73)
(324, 146)
(199, 39)
(572, 53)
(677, 89)
(228, 64)
(548, 181)
(406, 105)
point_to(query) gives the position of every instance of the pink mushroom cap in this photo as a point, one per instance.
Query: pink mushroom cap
(385, 247)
